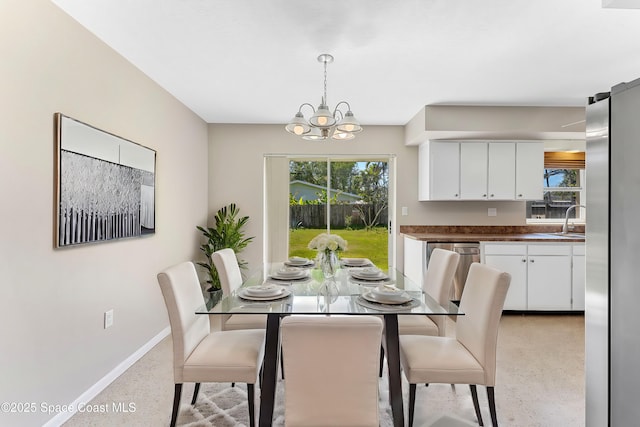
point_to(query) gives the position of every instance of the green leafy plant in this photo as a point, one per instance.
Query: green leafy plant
(227, 233)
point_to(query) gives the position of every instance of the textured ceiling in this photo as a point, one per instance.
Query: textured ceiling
(254, 61)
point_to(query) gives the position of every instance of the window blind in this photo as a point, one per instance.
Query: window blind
(564, 160)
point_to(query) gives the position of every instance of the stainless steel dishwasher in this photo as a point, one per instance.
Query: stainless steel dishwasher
(469, 253)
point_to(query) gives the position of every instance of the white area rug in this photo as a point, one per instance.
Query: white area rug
(221, 405)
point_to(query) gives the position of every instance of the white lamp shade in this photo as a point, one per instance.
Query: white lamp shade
(316, 134)
(298, 125)
(342, 136)
(322, 118)
(349, 123)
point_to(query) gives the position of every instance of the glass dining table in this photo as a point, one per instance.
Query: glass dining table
(349, 292)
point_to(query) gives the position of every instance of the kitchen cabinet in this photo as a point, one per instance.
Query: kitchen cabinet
(480, 170)
(578, 277)
(529, 170)
(541, 274)
(439, 171)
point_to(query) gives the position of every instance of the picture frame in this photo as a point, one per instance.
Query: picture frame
(104, 185)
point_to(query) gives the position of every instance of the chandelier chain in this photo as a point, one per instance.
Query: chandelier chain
(325, 84)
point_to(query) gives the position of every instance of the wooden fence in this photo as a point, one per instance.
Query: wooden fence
(342, 215)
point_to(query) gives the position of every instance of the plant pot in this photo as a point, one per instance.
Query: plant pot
(215, 295)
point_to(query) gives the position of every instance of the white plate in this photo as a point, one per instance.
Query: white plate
(379, 277)
(380, 299)
(289, 273)
(374, 283)
(264, 290)
(369, 272)
(355, 262)
(242, 294)
(294, 260)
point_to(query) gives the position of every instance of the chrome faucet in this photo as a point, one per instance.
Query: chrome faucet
(565, 226)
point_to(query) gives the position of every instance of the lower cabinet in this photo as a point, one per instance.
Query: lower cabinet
(543, 276)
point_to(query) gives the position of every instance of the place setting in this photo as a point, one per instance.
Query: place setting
(299, 262)
(264, 292)
(356, 262)
(370, 276)
(290, 274)
(386, 297)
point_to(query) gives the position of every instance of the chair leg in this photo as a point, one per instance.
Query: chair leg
(233, 384)
(176, 404)
(281, 363)
(476, 405)
(195, 393)
(412, 402)
(381, 360)
(492, 406)
(250, 395)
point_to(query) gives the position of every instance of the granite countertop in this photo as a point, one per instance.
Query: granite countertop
(487, 233)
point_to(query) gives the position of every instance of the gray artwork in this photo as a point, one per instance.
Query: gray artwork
(105, 188)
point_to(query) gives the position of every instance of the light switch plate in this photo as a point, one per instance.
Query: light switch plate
(405, 211)
(108, 318)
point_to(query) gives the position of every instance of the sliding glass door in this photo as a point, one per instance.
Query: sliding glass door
(348, 197)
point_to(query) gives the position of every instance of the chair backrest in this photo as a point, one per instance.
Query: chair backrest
(228, 270)
(331, 370)
(182, 294)
(438, 280)
(482, 301)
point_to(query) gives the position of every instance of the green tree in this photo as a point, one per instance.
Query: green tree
(373, 183)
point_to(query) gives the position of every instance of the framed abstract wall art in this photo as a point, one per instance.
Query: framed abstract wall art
(105, 185)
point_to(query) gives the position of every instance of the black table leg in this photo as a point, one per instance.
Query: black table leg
(393, 364)
(270, 370)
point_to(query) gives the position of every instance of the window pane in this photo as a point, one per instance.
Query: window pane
(554, 205)
(561, 178)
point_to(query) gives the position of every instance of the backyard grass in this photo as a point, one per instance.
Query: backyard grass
(360, 244)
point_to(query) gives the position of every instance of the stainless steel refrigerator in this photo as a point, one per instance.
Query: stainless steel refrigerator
(612, 314)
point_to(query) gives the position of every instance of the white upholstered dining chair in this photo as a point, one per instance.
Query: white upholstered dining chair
(331, 370)
(470, 357)
(438, 281)
(200, 355)
(226, 263)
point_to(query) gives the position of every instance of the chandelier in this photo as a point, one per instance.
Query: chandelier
(323, 123)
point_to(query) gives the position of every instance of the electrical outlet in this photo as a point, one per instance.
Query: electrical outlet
(405, 211)
(108, 318)
(492, 212)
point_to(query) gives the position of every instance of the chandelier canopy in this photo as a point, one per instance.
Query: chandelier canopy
(324, 123)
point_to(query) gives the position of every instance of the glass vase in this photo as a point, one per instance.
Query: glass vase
(328, 263)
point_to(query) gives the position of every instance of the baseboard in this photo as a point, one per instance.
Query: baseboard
(104, 382)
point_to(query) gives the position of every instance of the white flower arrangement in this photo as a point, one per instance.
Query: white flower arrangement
(325, 242)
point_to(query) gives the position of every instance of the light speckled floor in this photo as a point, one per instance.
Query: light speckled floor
(540, 382)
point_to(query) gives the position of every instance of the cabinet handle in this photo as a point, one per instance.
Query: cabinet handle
(519, 195)
(484, 195)
(492, 195)
(532, 260)
(455, 195)
(524, 260)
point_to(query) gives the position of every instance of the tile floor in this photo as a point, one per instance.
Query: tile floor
(540, 382)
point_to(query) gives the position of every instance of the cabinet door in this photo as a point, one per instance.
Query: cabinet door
(529, 170)
(502, 171)
(415, 259)
(549, 282)
(578, 282)
(473, 171)
(444, 171)
(516, 265)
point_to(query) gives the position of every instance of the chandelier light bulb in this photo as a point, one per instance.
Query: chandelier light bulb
(322, 121)
(298, 130)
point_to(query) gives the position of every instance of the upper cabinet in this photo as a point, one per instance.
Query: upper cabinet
(480, 170)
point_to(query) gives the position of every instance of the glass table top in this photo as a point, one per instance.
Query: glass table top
(312, 294)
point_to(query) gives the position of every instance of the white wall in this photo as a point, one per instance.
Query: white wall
(53, 345)
(236, 155)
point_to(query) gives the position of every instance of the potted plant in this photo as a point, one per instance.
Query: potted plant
(228, 232)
